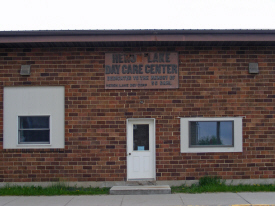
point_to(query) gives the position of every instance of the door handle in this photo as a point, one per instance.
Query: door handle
(129, 153)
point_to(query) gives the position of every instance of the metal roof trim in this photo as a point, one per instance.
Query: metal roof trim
(85, 37)
(141, 38)
(132, 32)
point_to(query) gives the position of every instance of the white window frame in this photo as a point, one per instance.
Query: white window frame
(34, 101)
(184, 135)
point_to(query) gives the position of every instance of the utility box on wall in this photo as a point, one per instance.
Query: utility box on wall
(253, 68)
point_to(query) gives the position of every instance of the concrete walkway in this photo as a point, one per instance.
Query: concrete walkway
(214, 199)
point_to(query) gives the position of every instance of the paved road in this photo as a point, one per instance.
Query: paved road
(214, 199)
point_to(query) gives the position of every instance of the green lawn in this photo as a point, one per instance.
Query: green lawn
(215, 184)
(53, 190)
(223, 188)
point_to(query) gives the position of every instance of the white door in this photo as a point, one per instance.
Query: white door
(141, 149)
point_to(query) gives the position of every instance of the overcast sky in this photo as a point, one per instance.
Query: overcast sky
(138, 14)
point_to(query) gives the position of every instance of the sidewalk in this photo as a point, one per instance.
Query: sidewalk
(214, 199)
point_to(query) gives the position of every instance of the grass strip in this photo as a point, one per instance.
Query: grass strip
(52, 190)
(215, 184)
(223, 188)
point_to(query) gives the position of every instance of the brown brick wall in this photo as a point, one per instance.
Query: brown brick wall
(213, 82)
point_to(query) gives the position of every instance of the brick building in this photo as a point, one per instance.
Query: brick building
(110, 106)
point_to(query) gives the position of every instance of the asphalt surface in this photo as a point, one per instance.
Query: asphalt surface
(213, 199)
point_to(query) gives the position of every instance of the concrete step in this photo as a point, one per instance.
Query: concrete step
(140, 190)
(140, 183)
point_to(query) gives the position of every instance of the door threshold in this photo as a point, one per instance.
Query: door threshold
(144, 179)
(141, 182)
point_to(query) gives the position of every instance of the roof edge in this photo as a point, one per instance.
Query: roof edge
(133, 32)
(94, 36)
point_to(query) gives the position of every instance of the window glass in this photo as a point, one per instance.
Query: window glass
(141, 137)
(211, 133)
(34, 129)
(34, 122)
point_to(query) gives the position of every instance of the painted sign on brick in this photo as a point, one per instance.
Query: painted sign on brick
(148, 70)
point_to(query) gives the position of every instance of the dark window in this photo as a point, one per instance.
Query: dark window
(34, 129)
(141, 137)
(211, 133)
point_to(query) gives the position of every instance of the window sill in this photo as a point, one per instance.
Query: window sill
(210, 149)
(33, 146)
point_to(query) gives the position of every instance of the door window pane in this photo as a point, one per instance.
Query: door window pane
(204, 133)
(140, 137)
